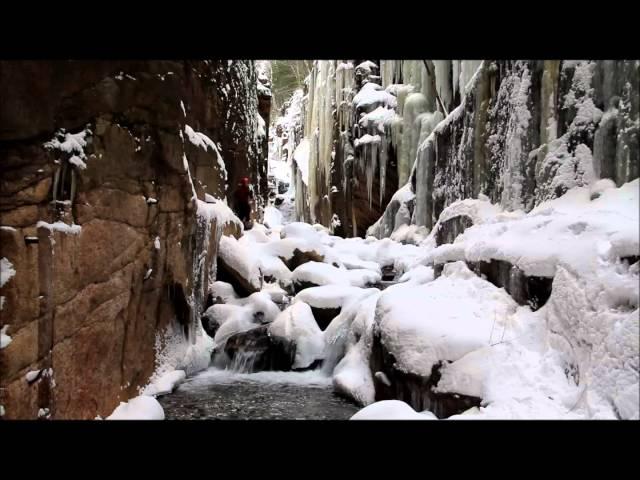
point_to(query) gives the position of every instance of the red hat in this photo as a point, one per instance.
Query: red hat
(245, 180)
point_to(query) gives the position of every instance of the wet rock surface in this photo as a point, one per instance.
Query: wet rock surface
(450, 229)
(324, 316)
(526, 290)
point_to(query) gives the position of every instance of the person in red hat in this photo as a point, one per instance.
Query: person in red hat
(243, 197)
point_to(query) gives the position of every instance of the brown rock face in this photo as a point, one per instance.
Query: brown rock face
(88, 301)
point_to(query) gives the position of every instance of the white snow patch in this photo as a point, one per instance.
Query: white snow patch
(5, 339)
(77, 161)
(372, 94)
(418, 275)
(72, 143)
(241, 258)
(166, 383)
(6, 271)
(72, 229)
(203, 141)
(325, 274)
(411, 234)
(327, 296)
(142, 407)
(573, 231)
(377, 118)
(392, 410)
(31, 375)
(301, 158)
(218, 211)
(272, 216)
(352, 331)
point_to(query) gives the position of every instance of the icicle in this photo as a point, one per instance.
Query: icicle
(383, 166)
(371, 169)
(343, 92)
(456, 84)
(414, 105)
(468, 68)
(443, 81)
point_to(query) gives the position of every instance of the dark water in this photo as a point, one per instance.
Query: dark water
(217, 394)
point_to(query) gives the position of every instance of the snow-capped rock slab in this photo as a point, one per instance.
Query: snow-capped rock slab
(318, 274)
(442, 320)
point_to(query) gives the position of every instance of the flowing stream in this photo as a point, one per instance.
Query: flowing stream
(226, 395)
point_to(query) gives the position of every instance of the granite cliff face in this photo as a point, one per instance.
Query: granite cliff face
(110, 175)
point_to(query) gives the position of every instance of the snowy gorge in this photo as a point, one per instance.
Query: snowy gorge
(431, 240)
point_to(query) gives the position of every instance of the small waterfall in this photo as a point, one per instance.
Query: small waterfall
(334, 351)
(242, 359)
(243, 362)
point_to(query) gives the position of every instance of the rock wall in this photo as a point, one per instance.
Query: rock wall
(107, 168)
(527, 131)
(264, 111)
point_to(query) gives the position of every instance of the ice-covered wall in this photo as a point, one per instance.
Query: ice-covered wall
(524, 132)
(342, 153)
(364, 121)
(518, 131)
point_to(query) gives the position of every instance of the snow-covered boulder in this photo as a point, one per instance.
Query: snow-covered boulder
(317, 274)
(224, 320)
(423, 327)
(238, 266)
(326, 301)
(297, 325)
(442, 320)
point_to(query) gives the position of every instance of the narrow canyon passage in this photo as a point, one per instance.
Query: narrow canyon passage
(231, 393)
(320, 239)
